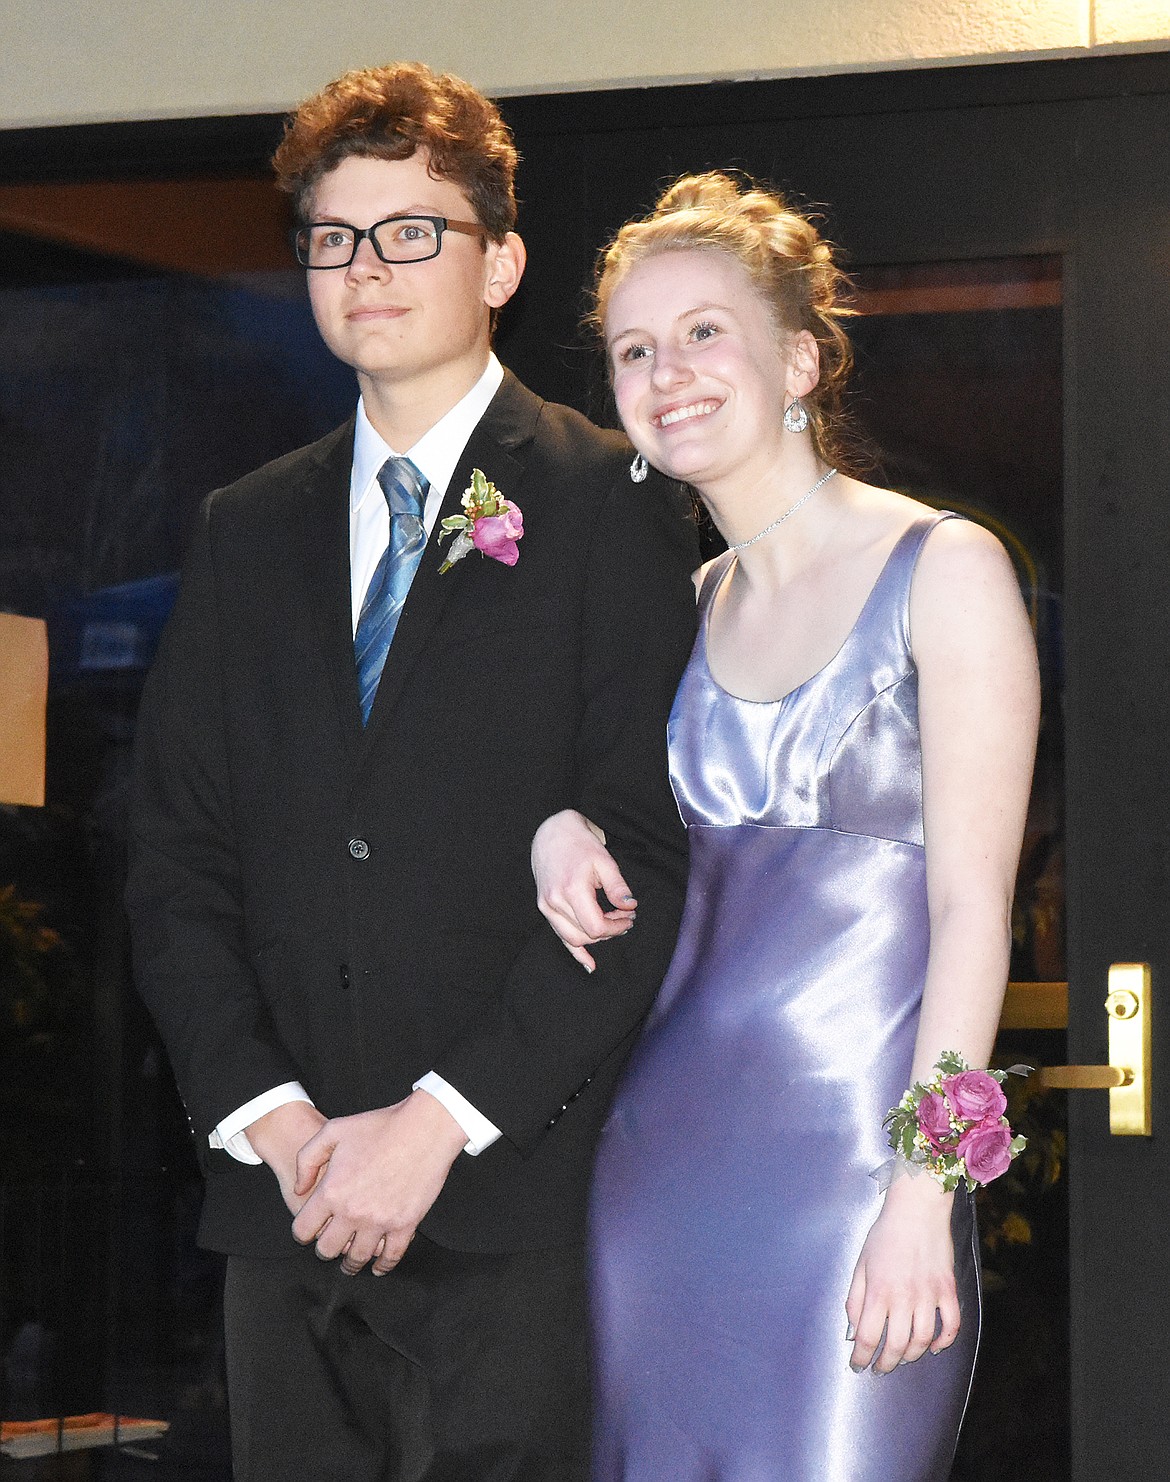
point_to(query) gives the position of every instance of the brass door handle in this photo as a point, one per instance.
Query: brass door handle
(1127, 1076)
(1085, 1077)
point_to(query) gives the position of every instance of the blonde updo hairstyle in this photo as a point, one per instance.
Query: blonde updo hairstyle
(790, 266)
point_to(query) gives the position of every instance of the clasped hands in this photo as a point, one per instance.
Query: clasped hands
(358, 1186)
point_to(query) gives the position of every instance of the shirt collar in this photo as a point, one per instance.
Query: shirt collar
(436, 453)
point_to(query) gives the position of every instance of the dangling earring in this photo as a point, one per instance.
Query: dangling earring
(795, 416)
(638, 469)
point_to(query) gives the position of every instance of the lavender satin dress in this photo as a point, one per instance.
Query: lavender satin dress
(733, 1190)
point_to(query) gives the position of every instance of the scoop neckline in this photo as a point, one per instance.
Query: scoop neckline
(844, 644)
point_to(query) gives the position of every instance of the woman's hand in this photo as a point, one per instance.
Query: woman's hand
(904, 1282)
(571, 864)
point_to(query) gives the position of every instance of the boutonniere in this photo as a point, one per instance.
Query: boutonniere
(489, 524)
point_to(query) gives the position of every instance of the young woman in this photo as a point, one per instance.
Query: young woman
(851, 747)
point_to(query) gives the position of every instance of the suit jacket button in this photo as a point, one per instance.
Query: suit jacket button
(359, 849)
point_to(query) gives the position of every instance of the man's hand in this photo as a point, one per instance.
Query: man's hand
(367, 1181)
(277, 1138)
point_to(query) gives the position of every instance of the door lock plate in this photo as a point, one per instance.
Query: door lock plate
(1128, 1074)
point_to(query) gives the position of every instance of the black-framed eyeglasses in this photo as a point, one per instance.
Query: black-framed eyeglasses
(334, 244)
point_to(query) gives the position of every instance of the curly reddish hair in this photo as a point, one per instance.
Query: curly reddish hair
(389, 112)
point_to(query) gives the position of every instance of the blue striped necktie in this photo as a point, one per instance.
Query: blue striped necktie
(406, 492)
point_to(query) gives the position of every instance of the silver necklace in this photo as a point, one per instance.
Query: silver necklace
(742, 545)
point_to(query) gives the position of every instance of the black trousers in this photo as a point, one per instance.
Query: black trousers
(455, 1367)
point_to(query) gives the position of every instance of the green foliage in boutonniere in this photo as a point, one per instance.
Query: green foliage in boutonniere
(489, 524)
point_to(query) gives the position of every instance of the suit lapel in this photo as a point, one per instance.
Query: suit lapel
(496, 447)
(322, 553)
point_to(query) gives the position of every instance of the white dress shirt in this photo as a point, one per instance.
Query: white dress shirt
(434, 455)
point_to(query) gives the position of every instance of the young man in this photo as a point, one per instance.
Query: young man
(344, 750)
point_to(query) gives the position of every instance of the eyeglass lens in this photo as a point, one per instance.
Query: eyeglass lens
(401, 239)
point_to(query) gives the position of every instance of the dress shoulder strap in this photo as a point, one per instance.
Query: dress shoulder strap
(900, 566)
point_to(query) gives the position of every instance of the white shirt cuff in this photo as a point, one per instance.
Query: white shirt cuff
(230, 1135)
(480, 1132)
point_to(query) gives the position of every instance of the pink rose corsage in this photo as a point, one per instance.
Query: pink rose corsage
(952, 1125)
(489, 524)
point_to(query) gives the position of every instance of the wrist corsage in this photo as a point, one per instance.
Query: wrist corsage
(489, 524)
(953, 1127)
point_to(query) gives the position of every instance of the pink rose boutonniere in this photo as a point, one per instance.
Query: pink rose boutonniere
(489, 524)
(952, 1125)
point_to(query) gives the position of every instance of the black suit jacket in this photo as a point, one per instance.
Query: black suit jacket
(351, 908)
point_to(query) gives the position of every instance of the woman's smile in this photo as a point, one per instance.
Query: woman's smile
(685, 413)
